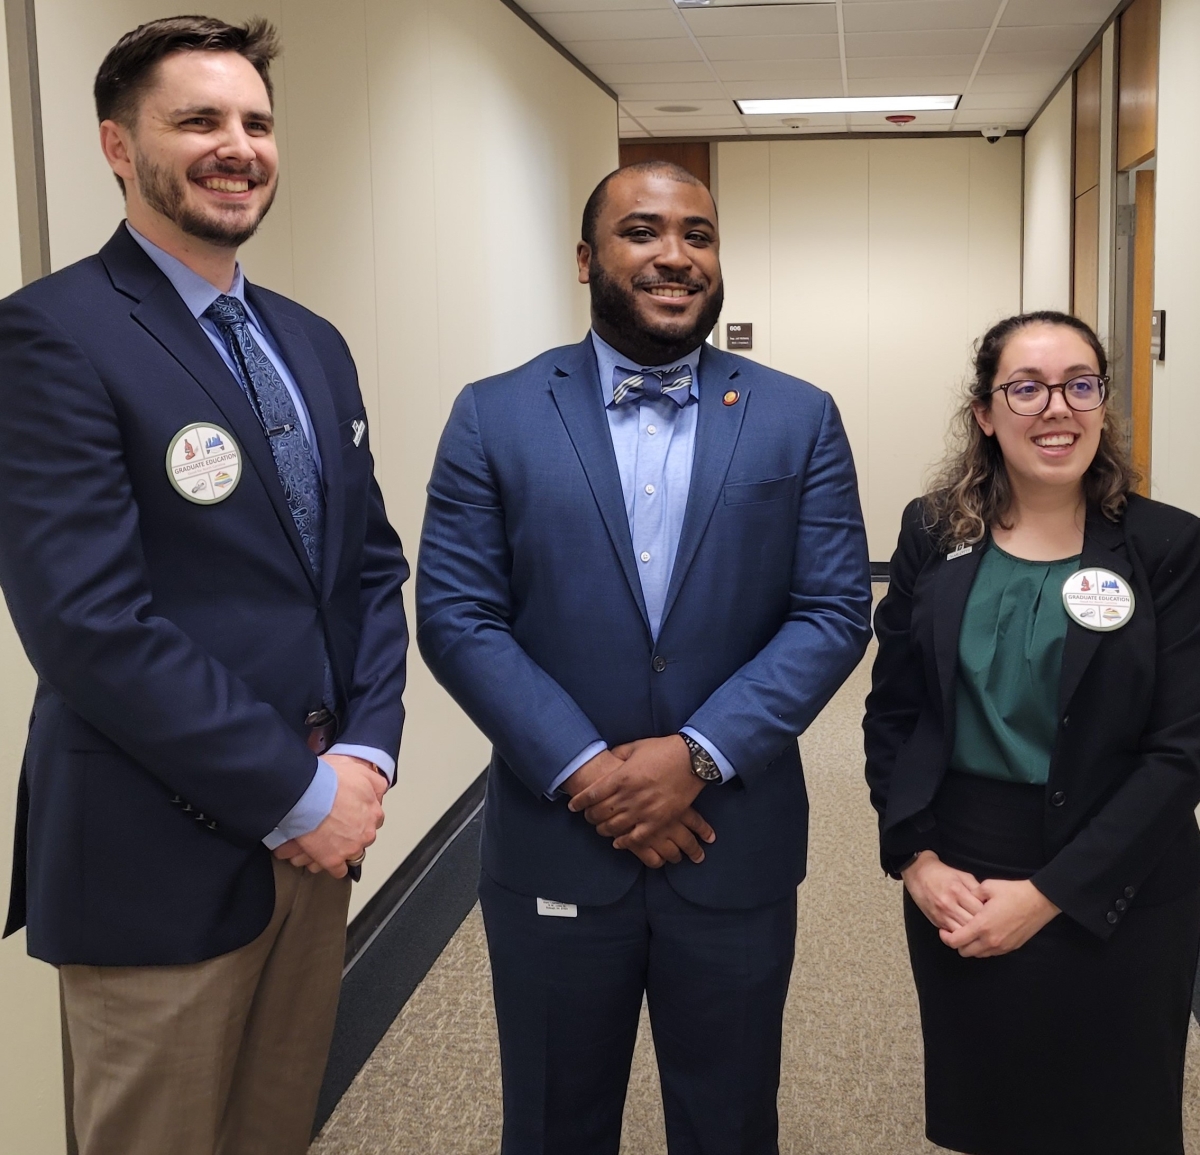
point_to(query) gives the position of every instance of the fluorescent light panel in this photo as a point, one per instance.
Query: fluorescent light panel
(809, 105)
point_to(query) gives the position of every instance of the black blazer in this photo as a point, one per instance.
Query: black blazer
(1125, 770)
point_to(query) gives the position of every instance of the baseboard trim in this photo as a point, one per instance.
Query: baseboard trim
(394, 940)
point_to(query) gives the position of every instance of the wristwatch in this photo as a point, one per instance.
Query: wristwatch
(703, 765)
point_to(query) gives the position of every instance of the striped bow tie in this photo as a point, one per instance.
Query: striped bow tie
(638, 383)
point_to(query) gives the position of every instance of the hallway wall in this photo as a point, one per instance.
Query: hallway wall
(869, 268)
(436, 156)
(1046, 269)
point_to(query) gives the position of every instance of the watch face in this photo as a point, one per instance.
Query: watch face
(708, 770)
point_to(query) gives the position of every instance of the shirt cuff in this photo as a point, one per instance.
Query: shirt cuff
(583, 756)
(312, 809)
(385, 762)
(723, 763)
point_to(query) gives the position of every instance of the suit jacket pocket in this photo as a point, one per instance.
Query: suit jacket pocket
(745, 493)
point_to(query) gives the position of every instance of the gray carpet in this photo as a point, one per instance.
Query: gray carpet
(851, 1053)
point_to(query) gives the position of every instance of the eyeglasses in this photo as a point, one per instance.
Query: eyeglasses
(1029, 398)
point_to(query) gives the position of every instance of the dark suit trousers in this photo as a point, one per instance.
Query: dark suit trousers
(568, 997)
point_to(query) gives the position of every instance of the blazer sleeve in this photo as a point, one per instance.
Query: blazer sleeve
(775, 696)
(464, 614)
(898, 690)
(75, 580)
(1125, 840)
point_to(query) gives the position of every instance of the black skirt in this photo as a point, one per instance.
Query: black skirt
(1069, 1045)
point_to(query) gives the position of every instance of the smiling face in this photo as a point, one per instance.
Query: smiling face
(201, 158)
(655, 272)
(1053, 450)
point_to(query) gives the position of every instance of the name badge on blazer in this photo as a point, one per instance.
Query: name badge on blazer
(961, 550)
(1098, 599)
(204, 463)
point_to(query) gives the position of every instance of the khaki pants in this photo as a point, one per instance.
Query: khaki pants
(222, 1057)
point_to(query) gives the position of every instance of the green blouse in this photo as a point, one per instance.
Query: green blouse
(1009, 662)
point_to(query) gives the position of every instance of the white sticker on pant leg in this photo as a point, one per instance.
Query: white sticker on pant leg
(557, 909)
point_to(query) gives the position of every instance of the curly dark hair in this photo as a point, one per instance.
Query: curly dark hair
(971, 490)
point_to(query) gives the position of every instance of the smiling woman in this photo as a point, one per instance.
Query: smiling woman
(1033, 760)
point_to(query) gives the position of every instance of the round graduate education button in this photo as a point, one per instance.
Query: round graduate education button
(204, 463)
(1098, 599)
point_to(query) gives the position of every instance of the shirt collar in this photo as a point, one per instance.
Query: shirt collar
(197, 293)
(607, 360)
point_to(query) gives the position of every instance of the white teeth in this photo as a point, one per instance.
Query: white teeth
(1052, 440)
(217, 184)
(663, 291)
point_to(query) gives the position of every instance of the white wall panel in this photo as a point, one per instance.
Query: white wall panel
(869, 268)
(1046, 274)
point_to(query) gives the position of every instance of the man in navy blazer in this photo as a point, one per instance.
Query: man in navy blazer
(643, 572)
(198, 562)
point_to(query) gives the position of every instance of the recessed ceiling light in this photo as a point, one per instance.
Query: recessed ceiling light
(847, 104)
(676, 108)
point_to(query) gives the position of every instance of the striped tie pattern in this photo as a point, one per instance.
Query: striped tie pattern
(634, 384)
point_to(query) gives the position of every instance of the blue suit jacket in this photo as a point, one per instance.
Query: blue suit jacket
(531, 613)
(177, 646)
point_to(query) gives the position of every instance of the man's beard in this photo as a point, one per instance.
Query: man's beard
(163, 191)
(616, 307)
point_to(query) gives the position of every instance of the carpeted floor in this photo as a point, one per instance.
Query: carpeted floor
(851, 1055)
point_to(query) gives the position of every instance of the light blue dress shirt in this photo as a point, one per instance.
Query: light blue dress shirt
(655, 443)
(197, 293)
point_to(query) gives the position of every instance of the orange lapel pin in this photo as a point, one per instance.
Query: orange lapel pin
(731, 398)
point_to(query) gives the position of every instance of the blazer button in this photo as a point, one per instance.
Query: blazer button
(1057, 798)
(1129, 892)
(1121, 905)
(659, 663)
(1112, 917)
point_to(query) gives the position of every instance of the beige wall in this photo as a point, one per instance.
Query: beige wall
(869, 267)
(436, 156)
(1176, 459)
(31, 1104)
(1049, 192)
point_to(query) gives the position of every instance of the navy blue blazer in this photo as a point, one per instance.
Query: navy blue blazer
(177, 646)
(530, 612)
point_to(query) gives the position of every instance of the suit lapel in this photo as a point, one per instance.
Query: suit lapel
(302, 361)
(576, 390)
(717, 429)
(1103, 548)
(951, 587)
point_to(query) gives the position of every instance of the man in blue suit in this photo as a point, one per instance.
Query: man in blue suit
(198, 562)
(643, 572)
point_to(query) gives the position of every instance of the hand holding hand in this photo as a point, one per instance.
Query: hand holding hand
(644, 802)
(949, 898)
(350, 826)
(1013, 912)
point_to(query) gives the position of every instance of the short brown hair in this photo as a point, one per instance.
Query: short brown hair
(971, 493)
(128, 69)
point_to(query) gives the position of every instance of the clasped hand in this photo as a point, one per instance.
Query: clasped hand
(350, 826)
(640, 795)
(977, 919)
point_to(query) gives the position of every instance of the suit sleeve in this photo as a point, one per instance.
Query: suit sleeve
(74, 577)
(1125, 840)
(897, 677)
(774, 697)
(464, 615)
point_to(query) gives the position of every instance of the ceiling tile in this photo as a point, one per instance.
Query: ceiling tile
(1011, 123)
(653, 72)
(933, 67)
(1026, 12)
(999, 100)
(1020, 82)
(829, 69)
(690, 123)
(631, 51)
(708, 109)
(878, 120)
(782, 89)
(536, 7)
(633, 133)
(958, 41)
(802, 20)
(919, 15)
(907, 85)
(564, 26)
(770, 47)
(1027, 62)
(1068, 37)
(671, 93)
